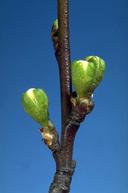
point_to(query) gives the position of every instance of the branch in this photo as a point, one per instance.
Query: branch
(73, 109)
(80, 108)
(63, 58)
(63, 176)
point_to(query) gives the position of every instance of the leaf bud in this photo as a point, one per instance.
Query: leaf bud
(87, 74)
(35, 103)
(99, 65)
(54, 33)
(82, 76)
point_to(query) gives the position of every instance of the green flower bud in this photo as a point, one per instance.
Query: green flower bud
(35, 103)
(82, 76)
(86, 75)
(100, 65)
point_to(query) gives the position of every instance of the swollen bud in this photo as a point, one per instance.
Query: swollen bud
(100, 65)
(87, 74)
(35, 103)
(54, 33)
(82, 76)
(55, 24)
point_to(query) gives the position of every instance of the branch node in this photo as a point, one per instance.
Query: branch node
(51, 139)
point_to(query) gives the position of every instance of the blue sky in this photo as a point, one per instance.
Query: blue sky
(27, 60)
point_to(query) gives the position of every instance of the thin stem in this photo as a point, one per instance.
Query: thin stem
(78, 114)
(63, 176)
(72, 114)
(63, 57)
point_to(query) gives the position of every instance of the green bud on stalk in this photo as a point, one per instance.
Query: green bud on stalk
(87, 74)
(35, 103)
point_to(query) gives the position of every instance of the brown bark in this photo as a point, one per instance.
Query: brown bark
(64, 164)
(72, 114)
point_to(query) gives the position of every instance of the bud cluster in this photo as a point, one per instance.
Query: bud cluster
(87, 74)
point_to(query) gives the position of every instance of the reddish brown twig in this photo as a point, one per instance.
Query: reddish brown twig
(72, 113)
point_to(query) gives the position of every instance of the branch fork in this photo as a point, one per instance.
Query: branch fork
(65, 166)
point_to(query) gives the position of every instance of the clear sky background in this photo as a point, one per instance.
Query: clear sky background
(27, 60)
